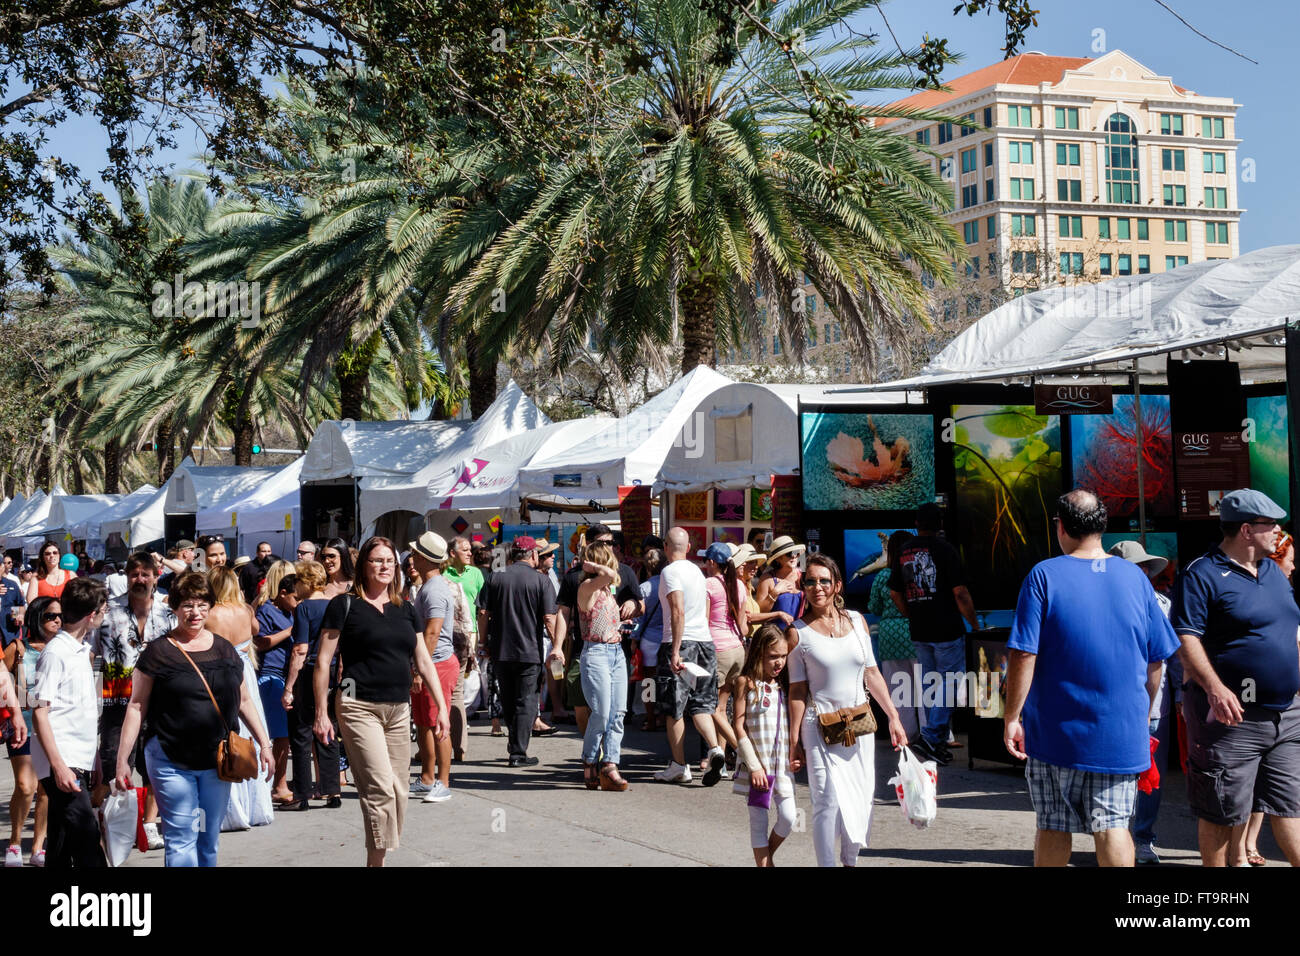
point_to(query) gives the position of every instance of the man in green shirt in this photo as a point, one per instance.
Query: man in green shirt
(461, 570)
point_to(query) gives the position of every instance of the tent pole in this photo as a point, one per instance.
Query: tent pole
(1137, 422)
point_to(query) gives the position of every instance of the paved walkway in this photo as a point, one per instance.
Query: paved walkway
(543, 815)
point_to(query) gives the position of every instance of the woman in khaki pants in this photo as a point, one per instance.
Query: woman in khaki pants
(376, 632)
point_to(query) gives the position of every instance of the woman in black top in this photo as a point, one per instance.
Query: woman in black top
(184, 727)
(376, 632)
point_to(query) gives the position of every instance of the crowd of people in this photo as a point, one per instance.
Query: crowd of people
(332, 664)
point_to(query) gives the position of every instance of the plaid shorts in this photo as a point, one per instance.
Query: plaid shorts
(1080, 801)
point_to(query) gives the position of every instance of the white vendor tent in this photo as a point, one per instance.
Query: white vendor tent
(11, 508)
(138, 522)
(487, 478)
(201, 489)
(1240, 305)
(68, 510)
(25, 526)
(89, 528)
(270, 512)
(628, 451)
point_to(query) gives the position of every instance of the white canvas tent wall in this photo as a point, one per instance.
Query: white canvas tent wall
(1240, 305)
(88, 529)
(270, 512)
(511, 415)
(68, 510)
(628, 451)
(199, 490)
(488, 479)
(11, 509)
(24, 531)
(140, 522)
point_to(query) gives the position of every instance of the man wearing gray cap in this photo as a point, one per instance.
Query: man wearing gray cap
(1238, 622)
(1168, 695)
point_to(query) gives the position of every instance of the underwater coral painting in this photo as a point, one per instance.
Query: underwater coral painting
(867, 462)
(1104, 454)
(1270, 467)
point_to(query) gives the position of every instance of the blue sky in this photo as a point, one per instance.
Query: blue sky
(1265, 31)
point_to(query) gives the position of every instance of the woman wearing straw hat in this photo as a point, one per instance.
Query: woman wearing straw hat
(748, 562)
(780, 589)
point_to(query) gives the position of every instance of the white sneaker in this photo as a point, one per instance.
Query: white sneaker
(674, 773)
(14, 856)
(717, 763)
(38, 858)
(438, 793)
(152, 835)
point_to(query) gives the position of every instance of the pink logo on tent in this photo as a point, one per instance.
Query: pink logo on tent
(467, 476)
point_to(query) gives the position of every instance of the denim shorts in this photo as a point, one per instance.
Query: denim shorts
(1080, 801)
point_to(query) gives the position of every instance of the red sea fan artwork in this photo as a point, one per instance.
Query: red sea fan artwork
(1107, 461)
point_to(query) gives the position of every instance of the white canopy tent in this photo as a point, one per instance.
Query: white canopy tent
(270, 511)
(89, 528)
(201, 489)
(488, 478)
(627, 451)
(68, 510)
(137, 522)
(12, 507)
(1239, 305)
(512, 415)
(742, 434)
(26, 525)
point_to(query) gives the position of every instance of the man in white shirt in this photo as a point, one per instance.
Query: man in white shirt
(65, 716)
(682, 593)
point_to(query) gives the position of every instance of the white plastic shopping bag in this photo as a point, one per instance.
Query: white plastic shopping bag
(117, 819)
(917, 786)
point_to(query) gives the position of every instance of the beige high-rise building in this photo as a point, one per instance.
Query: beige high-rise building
(1080, 170)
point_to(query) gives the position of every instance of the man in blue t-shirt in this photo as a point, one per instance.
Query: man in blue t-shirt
(1086, 648)
(1236, 615)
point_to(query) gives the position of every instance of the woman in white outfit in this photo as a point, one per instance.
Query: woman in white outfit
(830, 656)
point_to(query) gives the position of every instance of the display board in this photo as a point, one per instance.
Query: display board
(1104, 454)
(866, 461)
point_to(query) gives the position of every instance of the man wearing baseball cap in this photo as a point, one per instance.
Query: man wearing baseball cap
(1237, 618)
(436, 607)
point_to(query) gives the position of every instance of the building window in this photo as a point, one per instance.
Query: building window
(1123, 228)
(1173, 160)
(1175, 230)
(1024, 263)
(988, 154)
(1212, 127)
(975, 267)
(1069, 190)
(950, 310)
(1215, 162)
(1121, 160)
(972, 305)
(1072, 263)
(991, 227)
(1144, 265)
(968, 160)
(836, 329)
(826, 332)
(1069, 227)
(1022, 188)
(923, 136)
(1067, 117)
(988, 116)
(970, 195)
(1023, 225)
(927, 280)
(1171, 124)
(1176, 195)
(1103, 227)
(993, 263)
(776, 345)
(970, 231)
(1143, 230)
(988, 190)
(945, 133)
(1020, 151)
(762, 348)
(1103, 263)
(1216, 233)
(1125, 264)
(812, 335)
(810, 304)
(1067, 154)
(1173, 262)
(969, 119)
(1216, 197)
(1021, 116)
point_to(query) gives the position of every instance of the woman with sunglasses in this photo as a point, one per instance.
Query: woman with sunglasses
(830, 659)
(50, 577)
(44, 617)
(339, 567)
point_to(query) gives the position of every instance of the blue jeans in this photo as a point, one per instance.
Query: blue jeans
(604, 683)
(191, 804)
(943, 659)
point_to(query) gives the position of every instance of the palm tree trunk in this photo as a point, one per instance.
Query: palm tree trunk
(165, 451)
(78, 479)
(482, 376)
(698, 297)
(112, 466)
(244, 442)
(352, 369)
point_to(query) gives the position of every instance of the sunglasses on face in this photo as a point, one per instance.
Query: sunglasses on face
(818, 583)
(330, 555)
(51, 616)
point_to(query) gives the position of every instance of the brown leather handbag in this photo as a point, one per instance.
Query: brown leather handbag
(236, 755)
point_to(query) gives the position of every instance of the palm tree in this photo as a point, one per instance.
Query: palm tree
(716, 181)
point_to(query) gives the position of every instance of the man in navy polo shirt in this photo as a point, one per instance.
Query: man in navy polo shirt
(1238, 621)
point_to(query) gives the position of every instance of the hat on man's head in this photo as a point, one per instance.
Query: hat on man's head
(184, 543)
(782, 546)
(525, 543)
(1133, 551)
(1247, 503)
(242, 560)
(431, 546)
(545, 547)
(719, 552)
